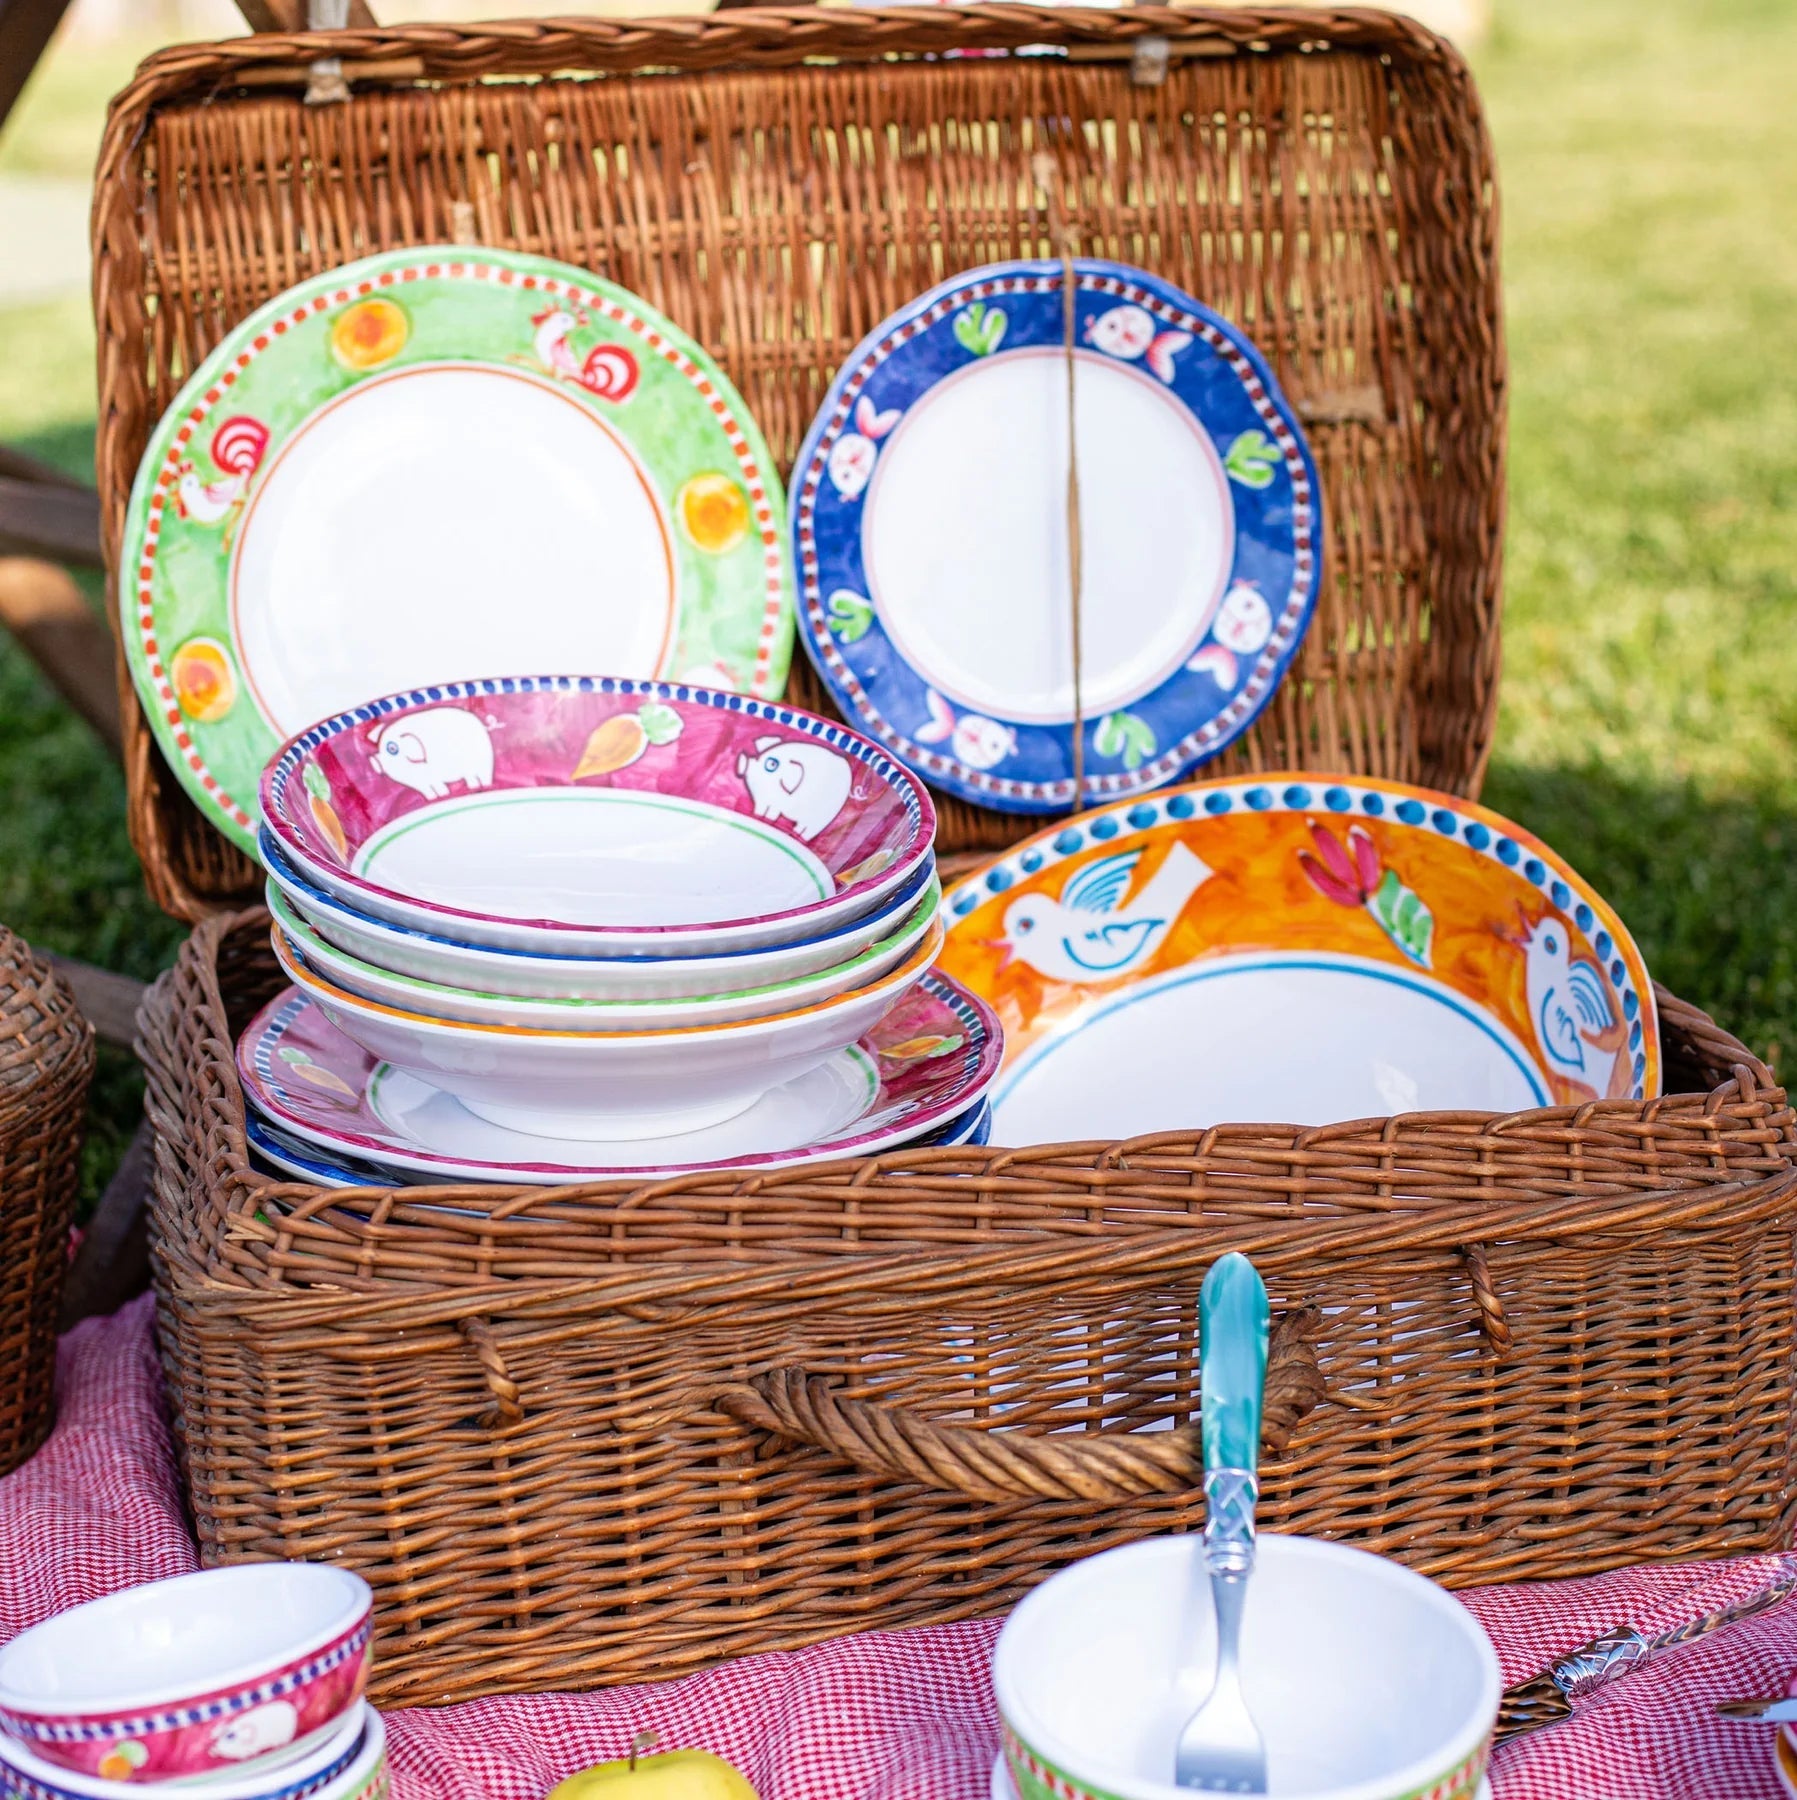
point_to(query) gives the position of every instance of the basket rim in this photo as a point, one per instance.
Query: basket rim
(759, 37)
(1356, 1173)
(691, 1295)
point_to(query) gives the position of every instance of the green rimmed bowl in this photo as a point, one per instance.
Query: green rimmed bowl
(439, 1000)
(431, 957)
(1368, 1681)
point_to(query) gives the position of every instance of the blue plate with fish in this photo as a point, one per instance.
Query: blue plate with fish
(930, 522)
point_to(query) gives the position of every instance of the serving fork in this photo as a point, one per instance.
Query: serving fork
(1221, 1751)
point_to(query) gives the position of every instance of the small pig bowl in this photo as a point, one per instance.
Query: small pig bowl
(199, 1676)
(591, 816)
(323, 1770)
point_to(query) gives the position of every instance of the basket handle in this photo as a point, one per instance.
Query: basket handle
(894, 1442)
(1493, 1320)
(507, 1408)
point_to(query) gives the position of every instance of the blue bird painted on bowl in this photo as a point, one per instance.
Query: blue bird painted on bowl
(1091, 932)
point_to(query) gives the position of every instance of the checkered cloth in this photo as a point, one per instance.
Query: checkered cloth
(904, 1715)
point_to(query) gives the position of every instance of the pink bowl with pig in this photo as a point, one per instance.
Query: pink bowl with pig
(594, 816)
(201, 1676)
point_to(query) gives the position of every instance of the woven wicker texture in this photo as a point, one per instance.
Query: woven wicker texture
(1320, 176)
(46, 1063)
(593, 1434)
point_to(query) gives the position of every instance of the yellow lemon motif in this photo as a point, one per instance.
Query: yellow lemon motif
(714, 511)
(303, 1068)
(205, 683)
(866, 867)
(369, 333)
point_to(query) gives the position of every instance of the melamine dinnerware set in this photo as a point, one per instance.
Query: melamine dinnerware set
(544, 928)
(244, 1683)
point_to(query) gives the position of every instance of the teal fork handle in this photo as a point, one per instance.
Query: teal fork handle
(1234, 1327)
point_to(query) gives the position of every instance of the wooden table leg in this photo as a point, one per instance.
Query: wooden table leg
(113, 1263)
(54, 625)
(51, 519)
(109, 1001)
(26, 28)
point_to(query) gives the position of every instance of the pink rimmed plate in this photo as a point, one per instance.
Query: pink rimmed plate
(931, 1058)
(592, 816)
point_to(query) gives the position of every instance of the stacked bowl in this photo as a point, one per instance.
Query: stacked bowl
(246, 1682)
(551, 928)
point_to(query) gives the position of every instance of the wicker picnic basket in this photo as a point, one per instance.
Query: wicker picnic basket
(578, 1435)
(591, 1434)
(46, 1063)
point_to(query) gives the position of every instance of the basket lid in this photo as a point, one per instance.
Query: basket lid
(777, 181)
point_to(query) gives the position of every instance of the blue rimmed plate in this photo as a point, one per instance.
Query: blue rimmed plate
(929, 522)
(429, 956)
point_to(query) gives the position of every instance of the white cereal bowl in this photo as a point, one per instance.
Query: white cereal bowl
(1368, 1681)
(620, 1084)
(592, 816)
(201, 1677)
(439, 1000)
(438, 957)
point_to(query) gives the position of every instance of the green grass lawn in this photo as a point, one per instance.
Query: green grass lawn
(68, 879)
(1650, 690)
(1649, 719)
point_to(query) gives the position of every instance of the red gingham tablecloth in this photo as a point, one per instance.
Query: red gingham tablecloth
(902, 1715)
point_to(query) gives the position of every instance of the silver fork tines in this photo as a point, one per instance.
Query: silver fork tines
(1220, 1750)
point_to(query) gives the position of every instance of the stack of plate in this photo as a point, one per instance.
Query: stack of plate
(556, 928)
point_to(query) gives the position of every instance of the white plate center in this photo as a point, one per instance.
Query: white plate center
(824, 1103)
(594, 856)
(440, 524)
(1300, 1040)
(965, 535)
